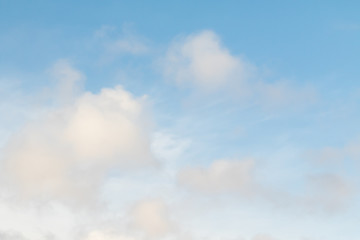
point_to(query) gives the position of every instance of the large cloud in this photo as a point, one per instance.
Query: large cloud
(67, 152)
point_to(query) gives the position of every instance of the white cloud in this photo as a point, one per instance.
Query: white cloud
(67, 153)
(222, 176)
(202, 62)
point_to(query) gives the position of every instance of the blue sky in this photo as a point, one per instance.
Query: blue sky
(131, 120)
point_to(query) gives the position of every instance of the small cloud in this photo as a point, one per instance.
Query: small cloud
(201, 62)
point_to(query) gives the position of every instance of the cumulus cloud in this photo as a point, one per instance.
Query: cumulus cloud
(67, 153)
(222, 176)
(202, 62)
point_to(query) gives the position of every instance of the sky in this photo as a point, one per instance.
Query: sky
(179, 120)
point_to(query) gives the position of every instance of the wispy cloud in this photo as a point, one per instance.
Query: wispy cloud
(117, 44)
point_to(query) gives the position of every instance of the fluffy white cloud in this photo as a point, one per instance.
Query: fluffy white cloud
(67, 152)
(222, 176)
(201, 61)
